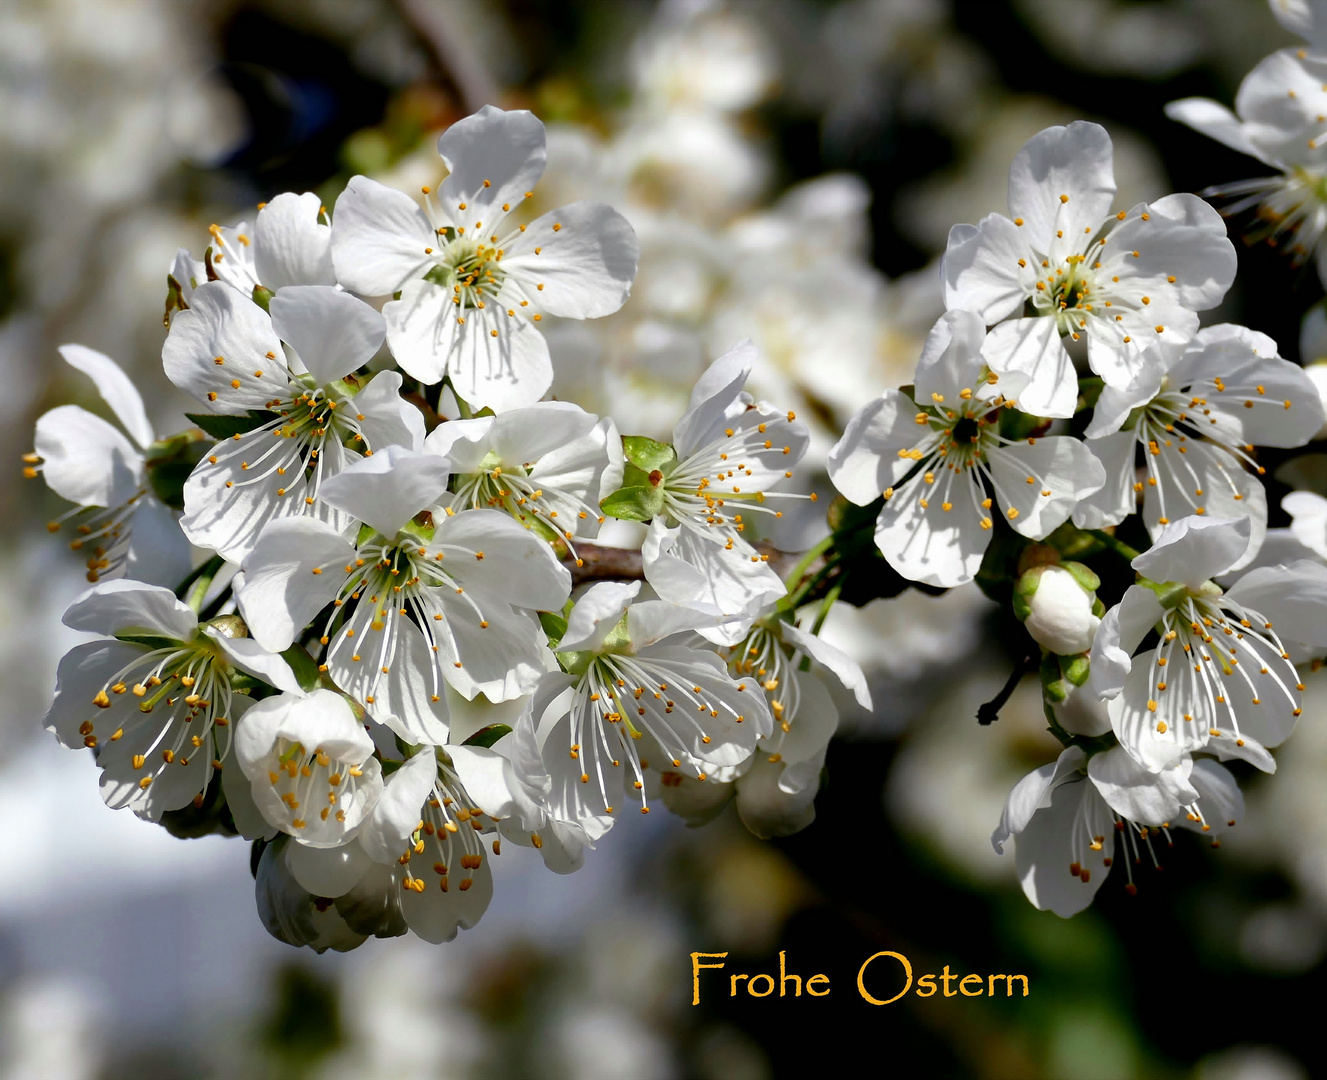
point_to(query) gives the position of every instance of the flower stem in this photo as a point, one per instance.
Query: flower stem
(1120, 548)
(194, 588)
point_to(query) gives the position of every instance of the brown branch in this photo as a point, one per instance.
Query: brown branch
(624, 564)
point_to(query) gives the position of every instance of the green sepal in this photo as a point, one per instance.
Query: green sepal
(634, 477)
(554, 627)
(1076, 668)
(648, 455)
(1016, 425)
(487, 736)
(1085, 577)
(262, 296)
(1052, 681)
(170, 462)
(365, 534)
(225, 427)
(439, 275)
(303, 666)
(174, 299)
(151, 641)
(634, 503)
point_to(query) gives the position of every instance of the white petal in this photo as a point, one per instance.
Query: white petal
(1308, 519)
(488, 779)
(1183, 238)
(687, 567)
(291, 246)
(222, 323)
(865, 460)
(1292, 597)
(1031, 348)
(1061, 470)
(1219, 797)
(86, 460)
(332, 331)
(387, 489)
(1073, 161)
(1194, 549)
(928, 543)
(597, 611)
(1213, 120)
(378, 238)
(981, 271)
(396, 813)
(765, 808)
(249, 656)
(132, 607)
(281, 594)
(1116, 500)
(158, 551)
(495, 157)
(951, 359)
(711, 399)
(503, 660)
(833, 658)
(1044, 853)
(388, 419)
(327, 872)
(228, 503)
(1032, 793)
(115, 388)
(1138, 794)
(1122, 628)
(516, 566)
(436, 916)
(584, 268)
(82, 673)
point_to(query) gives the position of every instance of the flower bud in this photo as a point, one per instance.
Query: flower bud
(1056, 605)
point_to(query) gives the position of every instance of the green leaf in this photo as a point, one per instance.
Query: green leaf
(648, 455)
(304, 666)
(262, 296)
(634, 477)
(487, 736)
(223, 427)
(634, 503)
(554, 626)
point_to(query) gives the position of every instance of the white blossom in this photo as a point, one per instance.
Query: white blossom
(473, 280)
(310, 765)
(1278, 120)
(1062, 268)
(1067, 814)
(547, 465)
(314, 416)
(411, 607)
(290, 244)
(940, 462)
(1194, 421)
(154, 696)
(731, 453)
(630, 697)
(1222, 675)
(117, 517)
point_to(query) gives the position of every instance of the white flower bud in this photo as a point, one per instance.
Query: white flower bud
(1059, 614)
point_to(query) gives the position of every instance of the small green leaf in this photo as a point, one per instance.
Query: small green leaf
(223, 427)
(262, 296)
(152, 641)
(304, 667)
(648, 455)
(634, 503)
(487, 736)
(554, 626)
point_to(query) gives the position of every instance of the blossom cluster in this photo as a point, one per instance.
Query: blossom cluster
(376, 518)
(382, 524)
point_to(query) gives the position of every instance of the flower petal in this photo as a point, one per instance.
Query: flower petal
(115, 388)
(1194, 549)
(291, 246)
(86, 460)
(132, 607)
(495, 157)
(586, 261)
(1073, 161)
(387, 489)
(281, 594)
(378, 238)
(332, 331)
